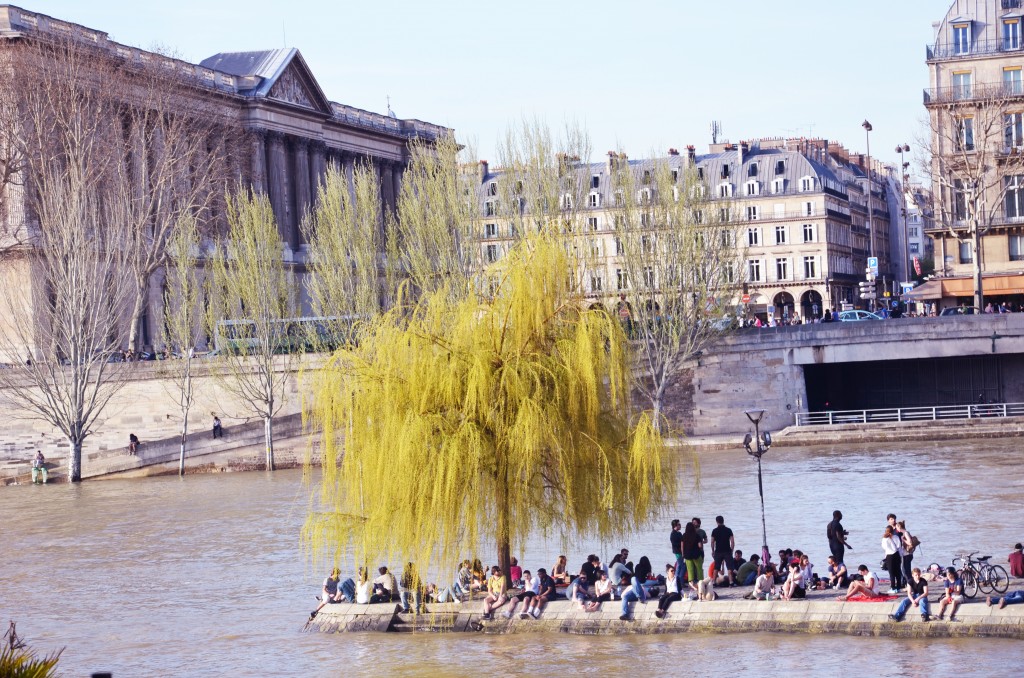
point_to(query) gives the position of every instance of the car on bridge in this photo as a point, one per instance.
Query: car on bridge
(854, 315)
(960, 310)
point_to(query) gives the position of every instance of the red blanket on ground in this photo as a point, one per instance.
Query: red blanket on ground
(863, 599)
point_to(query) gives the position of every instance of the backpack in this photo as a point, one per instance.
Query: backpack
(914, 543)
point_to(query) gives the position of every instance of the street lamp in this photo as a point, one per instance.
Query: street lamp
(901, 149)
(762, 443)
(871, 224)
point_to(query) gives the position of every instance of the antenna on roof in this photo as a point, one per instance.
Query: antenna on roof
(716, 129)
(284, 36)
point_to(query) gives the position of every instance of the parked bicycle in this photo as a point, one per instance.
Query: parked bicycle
(977, 574)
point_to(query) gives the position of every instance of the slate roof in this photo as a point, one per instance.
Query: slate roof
(267, 65)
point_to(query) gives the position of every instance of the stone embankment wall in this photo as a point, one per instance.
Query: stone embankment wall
(721, 616)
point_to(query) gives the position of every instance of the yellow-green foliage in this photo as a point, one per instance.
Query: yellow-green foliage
(471, 419)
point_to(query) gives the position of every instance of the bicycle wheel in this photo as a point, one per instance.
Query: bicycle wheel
(984, 579)
(998, 579)
(970, 584)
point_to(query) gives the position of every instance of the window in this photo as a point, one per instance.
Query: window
(645, 220)
(619, 199)
(1013, 130)
(725, 190)
(754, 270)
(595, 248)
(1016, 247)
(619, 249)
(809, 233)
(780, 234)
(962, 85)
(780, 166)
(492, 253)
(592, 223)
(647, 176)
(594, 200)
(595, 181)
(782, 269)
(1011, 80)
(753, 187)
(723, 214)
(620, 222)
(912, 231)
(567, 201)
(644, 196)
(1013, 201)
(778, 185)
(810, 268)
(807, 184)
(959, 200)
(596, 282)
(489, 208)
(647, 244)
(492, 188)
(914, 248)
(753, 235)
(730, 272)
(725, 171)
(698, 216)
(752, 169)
(620, 278)
(752, 213)
(1011, 34)
(490, 230)
(649, 276)
(700, 173)
(675, 176)
(966, 254)
(808, 209)
(961, 38)
(726, 237)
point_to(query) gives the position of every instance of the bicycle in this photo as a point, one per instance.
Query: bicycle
(979, 575)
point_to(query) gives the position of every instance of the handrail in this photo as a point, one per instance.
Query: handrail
(901, 414)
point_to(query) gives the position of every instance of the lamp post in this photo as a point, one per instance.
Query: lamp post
(905, 179)
(761, 446)
(871, 223)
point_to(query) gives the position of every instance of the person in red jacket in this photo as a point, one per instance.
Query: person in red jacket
(1017, 561)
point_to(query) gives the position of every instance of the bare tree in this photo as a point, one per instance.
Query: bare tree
(676, 263)
(62, 321)
(976, 161)
(252, 302)
(183, 326)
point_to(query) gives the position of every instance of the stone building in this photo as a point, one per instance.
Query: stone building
(799, 209)
(975, 103)
(278, 127)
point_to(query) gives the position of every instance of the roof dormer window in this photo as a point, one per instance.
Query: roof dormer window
(753, 188)
(752, 169)
(1011, 33)
(780, 166)
(778, 186)
(807, 183)
(962, 38)
(725, 171)
(725, 190)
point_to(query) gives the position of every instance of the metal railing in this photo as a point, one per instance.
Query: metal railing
(953, 50)
(981, 91)
(974, 411)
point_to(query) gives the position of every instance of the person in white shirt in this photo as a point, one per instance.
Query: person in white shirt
(891, 546)
(764, 585)
(867, 588)
(671, 592)
(364, 589)
(531, 587)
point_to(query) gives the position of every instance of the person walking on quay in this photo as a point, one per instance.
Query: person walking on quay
(723, 543)
(218, 430)
(891, 547)
(837, 537)
(1016, 560)
(675, 538)
(897, 584)
(917, 594)
(953, 596)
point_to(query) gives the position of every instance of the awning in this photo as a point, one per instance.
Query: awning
(992, 285)
(929, 291)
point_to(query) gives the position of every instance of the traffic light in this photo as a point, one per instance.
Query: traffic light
(867, 290)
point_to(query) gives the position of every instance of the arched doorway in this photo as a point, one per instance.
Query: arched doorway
(811, 305)
(783, 304)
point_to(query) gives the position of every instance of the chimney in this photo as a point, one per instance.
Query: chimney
(691, 154)
(483, 171)
(741, 149)
(673, 152)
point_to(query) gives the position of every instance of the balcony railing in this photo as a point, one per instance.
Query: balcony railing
(952, 50)
(973, 92)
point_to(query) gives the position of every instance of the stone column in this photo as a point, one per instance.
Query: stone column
(387, 180)
(303, 194)
(398, 172)
(317, 164)
(277, 181)
(348, 161)
(258, 158)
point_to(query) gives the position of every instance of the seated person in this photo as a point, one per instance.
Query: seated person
(917, 594)
(602, 589)
(671, 594)
(546, 591)
(794, 586)
(385, 588)
(737, 560)
(515, 573)
(747, 572)
(764, 585)
(619, 573)
(479, 582)
(1011, 598)
(463, 586)
(495, 592)
(807, 571)
(838, 577)
(559, 572)
(1017, 560)
(531, 587)
(364, 588)
(954, 594)
(636, 592)
(867, 587)
(133, 443)
(330, 593)
(579, 593)
(706, 589)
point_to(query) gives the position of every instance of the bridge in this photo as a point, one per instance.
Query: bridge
(909, 362)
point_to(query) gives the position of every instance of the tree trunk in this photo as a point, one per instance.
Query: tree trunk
(503, 538)
(979, 292)
(75, 462)
(268, 434)
(181, 456)
(133, 320)
(656, 414)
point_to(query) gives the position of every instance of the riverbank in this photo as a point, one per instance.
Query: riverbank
(820, 613)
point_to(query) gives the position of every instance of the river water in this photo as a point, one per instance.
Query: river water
(205, 577)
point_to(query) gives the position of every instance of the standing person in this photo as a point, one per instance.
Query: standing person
(675, 538)
(891, 548)
(671, 594)
(693, 555)
(917, 594)
(218, 430)
(723, 543)
(837, 537)
(954, 594)
(1016, 560)
(907, 556)
(495, 592)
(703, 536)
(39, 468)
(891, 522)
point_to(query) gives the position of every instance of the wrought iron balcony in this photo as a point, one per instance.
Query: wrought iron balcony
(954, 51)
(973, 92)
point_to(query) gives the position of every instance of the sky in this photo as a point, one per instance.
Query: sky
(640, 76)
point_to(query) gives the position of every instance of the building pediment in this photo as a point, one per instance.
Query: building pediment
(278, 74)
(295, 85)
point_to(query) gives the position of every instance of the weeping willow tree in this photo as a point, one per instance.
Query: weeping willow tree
(475, 417)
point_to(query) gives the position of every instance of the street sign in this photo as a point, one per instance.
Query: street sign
(873, 264)
(917, 266)
(746, 298)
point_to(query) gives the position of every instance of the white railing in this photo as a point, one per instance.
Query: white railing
(910, 414)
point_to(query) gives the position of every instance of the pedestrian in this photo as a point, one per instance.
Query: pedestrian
(837, 537)
(218, 430)
(39, 472)
(723, 543)
(675, 538)
(891, 547)
(693, 555)
(896, 584)
(909, 543)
